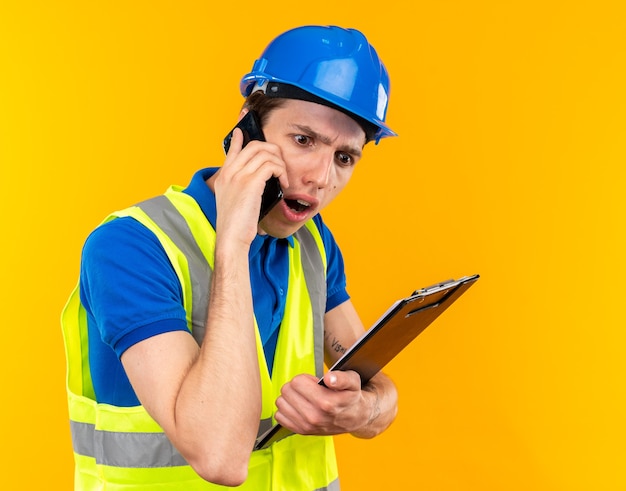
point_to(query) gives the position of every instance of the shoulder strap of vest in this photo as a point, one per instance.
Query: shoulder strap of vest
(169, 219)
(314, 265)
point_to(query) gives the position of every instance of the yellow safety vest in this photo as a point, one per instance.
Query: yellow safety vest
(123, 448)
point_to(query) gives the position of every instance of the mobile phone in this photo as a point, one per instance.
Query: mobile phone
(251, 128)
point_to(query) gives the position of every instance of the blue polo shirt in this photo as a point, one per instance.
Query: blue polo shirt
(131, 292)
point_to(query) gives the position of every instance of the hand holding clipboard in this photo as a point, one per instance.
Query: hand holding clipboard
(399, 325)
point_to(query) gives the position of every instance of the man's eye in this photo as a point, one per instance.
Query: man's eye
(344, 159)
(302, 139)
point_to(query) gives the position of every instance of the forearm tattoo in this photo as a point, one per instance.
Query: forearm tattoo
(335, 345)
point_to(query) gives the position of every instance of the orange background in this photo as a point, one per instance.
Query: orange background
(510, 163)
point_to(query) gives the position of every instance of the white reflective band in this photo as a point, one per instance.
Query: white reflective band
(117, 449)
(312, 263)
(168, 218)
(130, 449)
(333, 486)
(162, 212)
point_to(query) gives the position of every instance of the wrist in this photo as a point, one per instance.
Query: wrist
(231, 251)
(374, 406)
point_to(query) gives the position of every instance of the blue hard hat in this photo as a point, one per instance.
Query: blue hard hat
(334, 64)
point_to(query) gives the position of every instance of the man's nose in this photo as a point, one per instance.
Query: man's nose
(320, 170)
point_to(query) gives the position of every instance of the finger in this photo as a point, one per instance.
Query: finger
(299, 393)
(294, 414)
(340, 380)
(257, 158)
(236, 142)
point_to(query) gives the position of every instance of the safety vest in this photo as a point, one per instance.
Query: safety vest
(123, 448)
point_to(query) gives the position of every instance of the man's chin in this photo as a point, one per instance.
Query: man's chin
(268, 227)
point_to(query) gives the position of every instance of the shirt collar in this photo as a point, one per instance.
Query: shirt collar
(205, 197)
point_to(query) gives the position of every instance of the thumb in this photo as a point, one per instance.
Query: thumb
(338, 380)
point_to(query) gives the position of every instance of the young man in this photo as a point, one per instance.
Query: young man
(195, 327)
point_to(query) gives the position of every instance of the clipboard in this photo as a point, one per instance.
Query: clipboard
(395, 329)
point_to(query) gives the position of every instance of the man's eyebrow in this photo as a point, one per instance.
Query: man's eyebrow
(307, 130)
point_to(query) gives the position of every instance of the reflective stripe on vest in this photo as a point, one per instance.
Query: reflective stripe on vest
(126, 449)
(168, 218)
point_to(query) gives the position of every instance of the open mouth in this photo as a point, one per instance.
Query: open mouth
(297, 205)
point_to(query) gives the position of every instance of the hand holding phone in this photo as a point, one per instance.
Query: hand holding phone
(251, 129)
